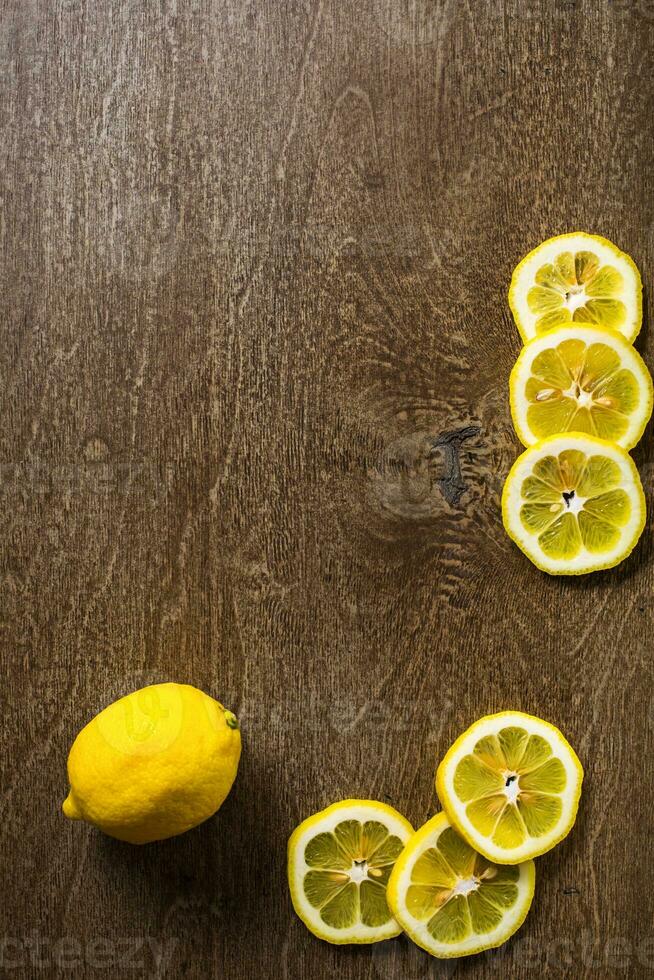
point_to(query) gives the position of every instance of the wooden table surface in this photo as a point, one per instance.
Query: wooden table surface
(254, 403)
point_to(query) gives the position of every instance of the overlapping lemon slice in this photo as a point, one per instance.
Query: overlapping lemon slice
(339, 863)
(511, 785)
(581, 379)
(576, 278)
(451, 900)
(574, 504)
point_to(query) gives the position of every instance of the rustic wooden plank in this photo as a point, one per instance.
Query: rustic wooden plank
(255, 425)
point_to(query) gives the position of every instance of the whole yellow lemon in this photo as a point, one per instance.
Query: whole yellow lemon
(153, 764)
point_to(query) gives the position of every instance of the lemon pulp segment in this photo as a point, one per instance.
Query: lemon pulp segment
(574, 504)
(576, 278)
(340, 861)
(511, 784)
(450, 899)
(584, 380)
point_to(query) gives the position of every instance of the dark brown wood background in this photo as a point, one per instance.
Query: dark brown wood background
(254, 427)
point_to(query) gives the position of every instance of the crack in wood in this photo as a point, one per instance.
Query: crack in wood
(451, 484)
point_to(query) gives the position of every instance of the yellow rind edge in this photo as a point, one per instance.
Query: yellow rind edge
(451, 813)
(603, 566)
(515, 370)
(392, 893)
(292, 846)
(638, 321)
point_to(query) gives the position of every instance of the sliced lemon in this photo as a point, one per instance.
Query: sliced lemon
(574, 504)
(339, 863)
(511, 786)
(581, 379)
(576, 278)
(451, 900)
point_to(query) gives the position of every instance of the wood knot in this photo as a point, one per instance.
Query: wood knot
(419, 475)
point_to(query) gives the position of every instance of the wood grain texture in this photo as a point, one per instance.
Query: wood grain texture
(255, 354)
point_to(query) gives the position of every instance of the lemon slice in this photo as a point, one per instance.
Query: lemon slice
(339, 863)
(581, 379)
(574, 504)
(576, 278)
(511, 785)
(451, 900)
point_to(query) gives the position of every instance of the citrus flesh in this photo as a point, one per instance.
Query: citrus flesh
(574, 504)
(576, 278)
(581, 379)
(511, 786)
(339, 863)
(451, 900)
(153, 764)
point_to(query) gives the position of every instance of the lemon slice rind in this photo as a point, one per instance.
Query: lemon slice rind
(455, 808)
(630, 360)
(325, 822)
(423, 840)
(524, 278)
(584, 561)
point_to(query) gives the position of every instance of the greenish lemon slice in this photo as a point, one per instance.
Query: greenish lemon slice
(580, 379)
(574, 504)
(450, 899)
(339, 863)
(511, 786)
(576, 278)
